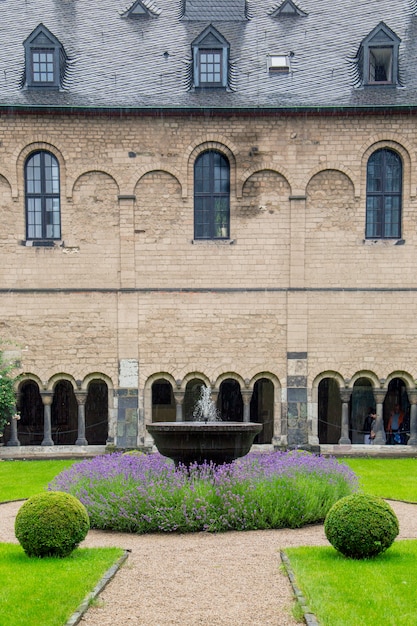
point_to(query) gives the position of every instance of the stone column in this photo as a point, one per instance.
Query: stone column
(215, 396)
(380, 438)
(81, 397)
(179, 400)
(47, 397)
(345, 395)
(246, 397)
(13, 441)
(412, 396)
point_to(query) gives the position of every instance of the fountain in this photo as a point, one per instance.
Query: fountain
(206, 438)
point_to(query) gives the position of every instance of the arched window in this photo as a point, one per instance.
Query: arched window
(211, 196)
(383, 195)
(43, 219)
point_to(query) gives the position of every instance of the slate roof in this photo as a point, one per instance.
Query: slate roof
(120, 62)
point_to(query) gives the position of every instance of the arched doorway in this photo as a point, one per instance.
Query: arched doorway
(30, 406)
(397, 395)
(262, 409)
(229, 402)
(163, 402)
(96, 413)
(64, 414)
(192, 394)
(329, 411)
(362, 400)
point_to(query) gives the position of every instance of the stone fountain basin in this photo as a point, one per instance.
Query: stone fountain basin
(196, 442)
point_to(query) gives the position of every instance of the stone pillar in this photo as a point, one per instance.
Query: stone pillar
(215, 396)
(246, 397)
(47, 397)
(412, 396)
(179, 400)
(81, 397)
(345, 395)
(13, 441)
(127, 404)
(380, 438)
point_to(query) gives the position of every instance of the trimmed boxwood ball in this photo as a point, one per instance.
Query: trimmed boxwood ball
(361, 526)
(51, 524)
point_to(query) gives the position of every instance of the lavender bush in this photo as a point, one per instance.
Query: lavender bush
(147, 493)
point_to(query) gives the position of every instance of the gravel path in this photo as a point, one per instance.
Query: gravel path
(202, 579)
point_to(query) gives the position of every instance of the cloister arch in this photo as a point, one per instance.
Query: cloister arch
(97, 412)
(191, 395)
(30, 407)
(64, 413)
(262, 408)
(361, 401)
(163, 401)
(397, 395)
(230, 401)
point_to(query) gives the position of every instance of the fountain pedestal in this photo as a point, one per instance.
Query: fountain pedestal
(196, 442)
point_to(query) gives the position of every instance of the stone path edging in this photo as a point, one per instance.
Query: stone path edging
(309, 617)
(103, 582)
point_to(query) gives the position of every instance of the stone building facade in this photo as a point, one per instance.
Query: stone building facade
(296, 308)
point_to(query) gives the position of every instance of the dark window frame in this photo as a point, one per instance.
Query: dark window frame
(211, 196)
(384, 187)
(38, 215)
(34, 73)
(207, 67)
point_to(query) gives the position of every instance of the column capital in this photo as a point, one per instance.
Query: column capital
(81, 396)
(47, 397)
(179, 397)
(345, 395)
(412, 396)
(246, 395)
(379, 395)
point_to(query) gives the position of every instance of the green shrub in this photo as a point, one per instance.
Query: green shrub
(51, 524)
(361, 526)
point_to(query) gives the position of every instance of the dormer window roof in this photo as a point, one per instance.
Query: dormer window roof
(142, 8)
(210, 52)
(214, 10)
(378, 57)
(45, 59)
(287, 8)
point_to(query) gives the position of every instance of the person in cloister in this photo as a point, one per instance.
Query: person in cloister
(369, 426)
(394, 424)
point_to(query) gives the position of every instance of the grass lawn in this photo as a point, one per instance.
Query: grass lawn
(22, 479)
(395, 479)
(347, 592)
(43, 591)
(47, 591)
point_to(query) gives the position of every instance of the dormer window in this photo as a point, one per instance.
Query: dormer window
(45, 59)
(142, 8)
(288, 8)
(378, 57)
(210, 59)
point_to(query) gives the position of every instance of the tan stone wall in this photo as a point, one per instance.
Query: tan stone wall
(297, 222)
(70, 334)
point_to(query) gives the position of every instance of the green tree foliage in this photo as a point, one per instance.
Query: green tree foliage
(7, 394)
